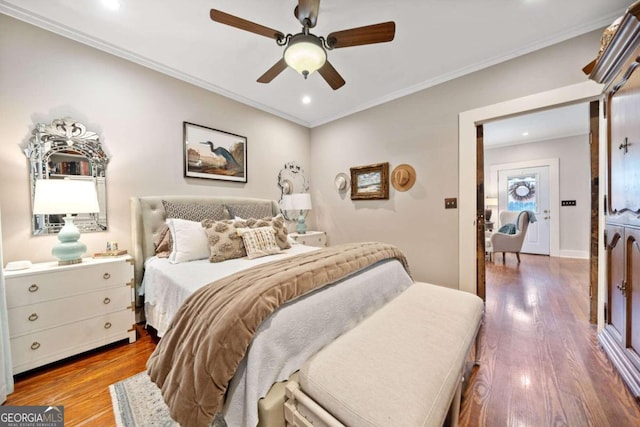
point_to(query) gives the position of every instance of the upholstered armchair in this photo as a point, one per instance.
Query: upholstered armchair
(502, 242)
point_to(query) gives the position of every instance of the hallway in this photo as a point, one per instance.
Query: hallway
(541, 364)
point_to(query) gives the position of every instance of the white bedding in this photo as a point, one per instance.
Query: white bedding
(287, 338)
(165, 286)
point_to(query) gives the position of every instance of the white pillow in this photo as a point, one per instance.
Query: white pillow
(190, 241)
(259, 242)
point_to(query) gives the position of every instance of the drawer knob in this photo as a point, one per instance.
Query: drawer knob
(107, 325)
(106, 276)
(33, 288)
(33, 317)
(35, 345)
(107, 300)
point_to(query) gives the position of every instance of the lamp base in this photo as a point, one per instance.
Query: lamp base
(69, 250)
(301, 227)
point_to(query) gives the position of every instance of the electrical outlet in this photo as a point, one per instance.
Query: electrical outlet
(568, 203)
(451, 203)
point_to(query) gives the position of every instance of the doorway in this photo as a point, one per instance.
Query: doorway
(468, 184)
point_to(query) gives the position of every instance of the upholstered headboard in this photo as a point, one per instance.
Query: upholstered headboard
(148, 216)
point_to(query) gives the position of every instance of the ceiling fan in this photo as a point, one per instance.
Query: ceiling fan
(305, 52)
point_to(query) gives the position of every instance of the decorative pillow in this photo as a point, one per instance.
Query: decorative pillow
(194, 211)
(223, 240)
(253, 210)
(259, 241)
(162, 242)
(189, 241)
(508, 229)
(276, 222)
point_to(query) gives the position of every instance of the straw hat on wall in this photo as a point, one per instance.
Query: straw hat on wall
(403, 177)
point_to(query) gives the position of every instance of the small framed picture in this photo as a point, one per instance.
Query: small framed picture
(214, 154)
(370, 182)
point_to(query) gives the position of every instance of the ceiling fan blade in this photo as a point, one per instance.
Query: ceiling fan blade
(331, 76)
(243, 24)
(273, 72)
(376, 33)
(307, 9)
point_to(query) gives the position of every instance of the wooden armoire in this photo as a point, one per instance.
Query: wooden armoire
(617, 67)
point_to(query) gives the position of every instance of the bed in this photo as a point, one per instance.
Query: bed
(288, 336)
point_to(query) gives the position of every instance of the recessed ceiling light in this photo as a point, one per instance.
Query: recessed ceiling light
(306, 99)
(525, 133)
(111, 4)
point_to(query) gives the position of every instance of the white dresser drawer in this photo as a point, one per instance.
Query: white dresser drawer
(36, 286)
(28, 318)
(39, 348)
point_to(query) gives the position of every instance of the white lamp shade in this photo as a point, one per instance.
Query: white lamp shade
(305, 55)
(491, 201)
(301, 201)
(65, 196)
(297, 201)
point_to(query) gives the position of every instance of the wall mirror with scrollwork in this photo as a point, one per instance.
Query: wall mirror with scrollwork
(63, 149)
(291, 179)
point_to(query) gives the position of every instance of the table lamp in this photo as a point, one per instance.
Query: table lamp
(300, 202)
(56, 196)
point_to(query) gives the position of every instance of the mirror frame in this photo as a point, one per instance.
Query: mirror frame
(67, 137)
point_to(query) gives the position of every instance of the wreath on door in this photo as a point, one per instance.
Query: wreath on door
(522, 190)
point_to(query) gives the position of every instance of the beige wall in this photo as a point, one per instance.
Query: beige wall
(139, 115)
(422, 129)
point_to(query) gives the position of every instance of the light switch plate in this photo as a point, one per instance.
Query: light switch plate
(450, 203)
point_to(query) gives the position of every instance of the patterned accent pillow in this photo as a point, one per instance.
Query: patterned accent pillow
(253, 210)
(224, 241)
(193, 211)
(276, 222)
(259, 241)
(163, 243)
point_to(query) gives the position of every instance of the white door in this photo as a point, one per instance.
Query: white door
(528, 189)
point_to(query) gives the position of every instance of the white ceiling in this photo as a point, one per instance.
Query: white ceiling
(436, 40)
(555, 123)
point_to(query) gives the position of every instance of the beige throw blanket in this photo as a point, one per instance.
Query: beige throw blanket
(208, 337)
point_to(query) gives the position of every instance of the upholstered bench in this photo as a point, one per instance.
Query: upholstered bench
(402, 366)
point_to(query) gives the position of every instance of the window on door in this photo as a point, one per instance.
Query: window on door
(521, 193)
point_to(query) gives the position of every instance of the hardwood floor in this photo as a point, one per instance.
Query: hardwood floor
(541, 364)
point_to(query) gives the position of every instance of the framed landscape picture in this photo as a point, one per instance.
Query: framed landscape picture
(370, 182)
(214, 154)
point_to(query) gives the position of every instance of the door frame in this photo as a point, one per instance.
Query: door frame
(554, 194)
(467, 179)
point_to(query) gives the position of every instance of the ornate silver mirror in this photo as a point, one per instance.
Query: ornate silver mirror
(291, 179)
(65, 149)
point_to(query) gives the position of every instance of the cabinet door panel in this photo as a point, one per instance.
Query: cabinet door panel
(633, 293)
(616, 271)
(624, 146)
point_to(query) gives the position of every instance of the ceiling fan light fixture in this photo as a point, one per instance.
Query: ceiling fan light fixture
(305, 54)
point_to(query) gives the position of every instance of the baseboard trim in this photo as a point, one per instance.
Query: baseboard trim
(566, 253)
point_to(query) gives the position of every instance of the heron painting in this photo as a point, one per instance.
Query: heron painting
(214, 154)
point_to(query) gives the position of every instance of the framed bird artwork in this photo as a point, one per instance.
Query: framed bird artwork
(214, 154)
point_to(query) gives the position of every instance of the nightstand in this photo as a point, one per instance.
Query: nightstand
(311, 238)
(58, 311)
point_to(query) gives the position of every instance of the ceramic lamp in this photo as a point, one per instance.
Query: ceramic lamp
(300, 202)
(57, 196)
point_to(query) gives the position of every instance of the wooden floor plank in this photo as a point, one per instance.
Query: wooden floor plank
(541, 364)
